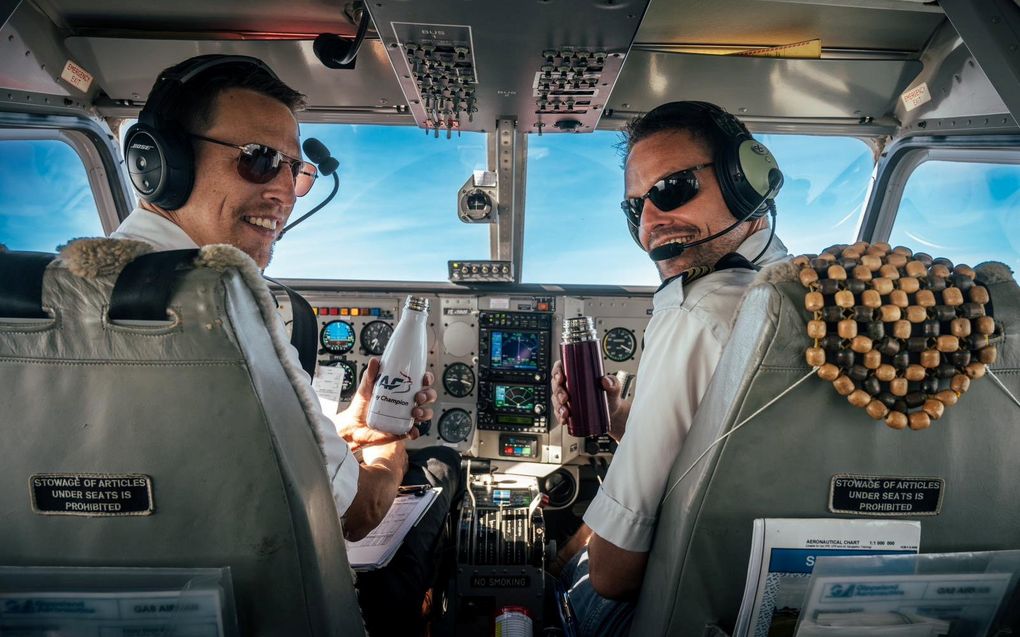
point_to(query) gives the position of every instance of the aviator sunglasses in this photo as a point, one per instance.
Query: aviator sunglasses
(259, 164)
(669, 193)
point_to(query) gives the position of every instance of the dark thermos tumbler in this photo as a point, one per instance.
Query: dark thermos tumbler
(582, 367)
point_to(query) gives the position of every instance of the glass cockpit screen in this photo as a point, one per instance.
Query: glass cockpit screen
(514, 397)
(514, 350)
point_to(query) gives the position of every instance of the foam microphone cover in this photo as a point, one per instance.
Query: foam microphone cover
(319, 155)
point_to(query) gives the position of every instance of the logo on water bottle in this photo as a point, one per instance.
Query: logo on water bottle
(395, 384)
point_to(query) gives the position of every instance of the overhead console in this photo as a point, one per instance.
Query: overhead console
(491, 354)
(456, 72)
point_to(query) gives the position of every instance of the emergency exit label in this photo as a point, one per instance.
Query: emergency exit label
(91, 494)
(885, 496)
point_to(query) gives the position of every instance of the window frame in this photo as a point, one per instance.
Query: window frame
(905, 156)
(95, 146)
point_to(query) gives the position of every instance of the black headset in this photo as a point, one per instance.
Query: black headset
(158, 151)
(748, 174)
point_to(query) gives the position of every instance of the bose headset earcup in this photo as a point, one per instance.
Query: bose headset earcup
(161, 165)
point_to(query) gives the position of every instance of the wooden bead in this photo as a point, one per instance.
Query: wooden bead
(909, 284)
(859, 398)
(890, 313)
(896, 261)
(873, 359)
(899, 386)
(858, 374)
(802, 261)
(862, 344)
(924, 258)
(885, 373)
(947, 344)
(844, 386)
(844, 298)
(828, 372)
(815, 356)
(947, 397)
(882, 246)
(877, 410)
(916, 314)
(970, 310)
(975, 370)
(899, 298)
(828, 286)
(845, 359)
(919, 420)
(960, 327)
(924, 298)
(871, 262)
(960, 384)
(984, 325)
(882, 285)
(889, 271)
(988, 355)
(871, 298)
(965, 270)
(861, 273)
(807, 276)
(915, 269)
(939, 270)
(830, 258)
(934, 408)
(915, 373)
(814, 301)
(902, 329)
(978, 294)
(816, 329)
(952, 296)
(930, 358)
(847, 328)
(837, 272)
(902, 250)
(896, 420)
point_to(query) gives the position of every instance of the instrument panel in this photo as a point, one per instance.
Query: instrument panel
(491, 355)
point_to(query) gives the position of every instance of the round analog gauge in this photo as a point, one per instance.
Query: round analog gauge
(458, 380)
(375, 336)
(337, 337)
(619, 344)
(455, 425)
(350, 377)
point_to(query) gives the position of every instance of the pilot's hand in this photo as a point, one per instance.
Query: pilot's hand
(352, 425)
(619, 408)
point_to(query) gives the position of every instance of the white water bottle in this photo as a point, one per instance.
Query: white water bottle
(401, 371)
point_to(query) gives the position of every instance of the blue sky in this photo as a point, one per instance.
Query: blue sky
(395, 216)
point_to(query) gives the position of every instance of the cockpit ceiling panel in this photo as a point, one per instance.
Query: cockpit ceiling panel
(773, 87)
(126, 69)
(550, 65)
(307, 17)
(776, 22)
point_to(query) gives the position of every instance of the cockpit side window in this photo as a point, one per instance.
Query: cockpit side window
(966, 211)
(45, 196)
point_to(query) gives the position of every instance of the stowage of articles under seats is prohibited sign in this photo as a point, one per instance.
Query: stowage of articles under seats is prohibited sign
(885, 496)
(91, 494)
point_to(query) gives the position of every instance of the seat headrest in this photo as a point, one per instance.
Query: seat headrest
(22, 277)
(899, 334)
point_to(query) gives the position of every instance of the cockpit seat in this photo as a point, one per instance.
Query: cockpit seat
(169, 366)
(785, 433)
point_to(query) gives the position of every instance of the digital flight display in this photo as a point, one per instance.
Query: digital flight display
(516, 397)
(514, 350)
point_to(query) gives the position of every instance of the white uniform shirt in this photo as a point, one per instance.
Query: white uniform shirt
(683, 344)
(341, 465)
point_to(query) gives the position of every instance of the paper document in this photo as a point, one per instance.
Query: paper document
(929, 604)
(375, 550)
(783, 553)
(113, 614)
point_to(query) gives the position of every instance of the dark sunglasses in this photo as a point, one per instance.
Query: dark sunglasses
(260, 164)
(669, 193)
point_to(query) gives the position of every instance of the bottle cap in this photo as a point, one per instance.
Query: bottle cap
(419, 303)
(578, 328)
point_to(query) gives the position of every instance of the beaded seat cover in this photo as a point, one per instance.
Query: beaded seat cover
(900, 334)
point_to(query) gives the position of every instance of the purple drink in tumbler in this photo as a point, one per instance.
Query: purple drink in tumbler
(582, 367)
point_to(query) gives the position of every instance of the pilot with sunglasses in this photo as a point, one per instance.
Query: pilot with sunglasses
(222, 136)
(698, 188)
